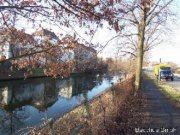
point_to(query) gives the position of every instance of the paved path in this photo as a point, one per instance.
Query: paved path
(164, 115)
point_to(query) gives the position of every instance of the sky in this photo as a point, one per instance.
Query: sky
(168, 50)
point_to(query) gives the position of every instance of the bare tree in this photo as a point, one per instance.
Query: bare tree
(145, 23)
(138, 21)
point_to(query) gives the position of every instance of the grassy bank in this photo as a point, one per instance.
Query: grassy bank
(166, 89)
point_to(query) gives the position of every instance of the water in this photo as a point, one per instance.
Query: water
(24, 104)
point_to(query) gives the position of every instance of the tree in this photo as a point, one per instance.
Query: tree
(61, 13)
(144, 23)
(42, 51)
(139, 21)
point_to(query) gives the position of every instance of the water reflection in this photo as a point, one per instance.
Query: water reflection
(26, 103)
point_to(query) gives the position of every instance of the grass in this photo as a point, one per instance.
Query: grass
(166, 89)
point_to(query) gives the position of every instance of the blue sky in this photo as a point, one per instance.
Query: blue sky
(168, 50)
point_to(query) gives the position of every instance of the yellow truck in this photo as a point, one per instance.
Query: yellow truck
(163, 71)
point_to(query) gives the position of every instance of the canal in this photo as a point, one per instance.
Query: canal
(26, 103)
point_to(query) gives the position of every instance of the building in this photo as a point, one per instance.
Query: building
(43, 35)
(67, 49)
(14, 42)
(45, 39)
(85, 57)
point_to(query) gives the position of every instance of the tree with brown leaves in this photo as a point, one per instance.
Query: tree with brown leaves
(138, 20)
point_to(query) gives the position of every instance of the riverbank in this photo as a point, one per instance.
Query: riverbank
(45, 98)
(7, 75)
(114, 111)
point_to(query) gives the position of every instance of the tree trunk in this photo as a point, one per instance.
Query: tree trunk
(141, 37)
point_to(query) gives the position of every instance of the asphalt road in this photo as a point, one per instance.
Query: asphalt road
(176, 83)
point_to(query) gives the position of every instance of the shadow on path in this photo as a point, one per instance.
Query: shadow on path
(165, 117)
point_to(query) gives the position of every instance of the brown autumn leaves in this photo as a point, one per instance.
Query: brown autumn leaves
(45, 55)
(86, 13)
